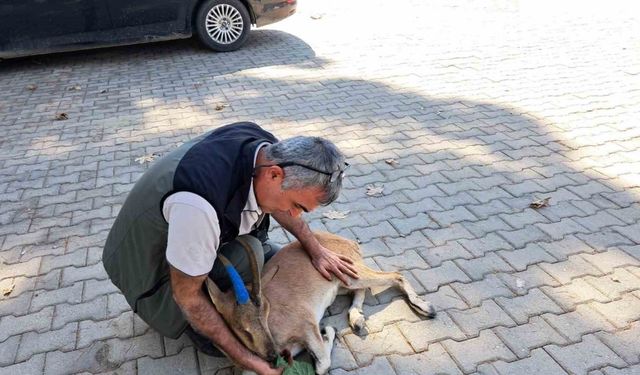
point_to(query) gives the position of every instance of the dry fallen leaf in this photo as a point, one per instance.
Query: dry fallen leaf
(31, 87)
(146, 158)
(374, 191)
(6, 291)
(62, 116)
(75, 88)
(103, 91)
(221, 106)
(540, 203)
(392, 162)
(333, 215)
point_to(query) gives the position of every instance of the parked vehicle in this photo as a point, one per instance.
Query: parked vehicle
(30, 27)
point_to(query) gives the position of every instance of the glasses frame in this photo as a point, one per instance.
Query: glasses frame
(334, 175)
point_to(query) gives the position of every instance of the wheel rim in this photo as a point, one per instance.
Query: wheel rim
(224, 24)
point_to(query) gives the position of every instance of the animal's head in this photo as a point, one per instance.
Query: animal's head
(245, 311)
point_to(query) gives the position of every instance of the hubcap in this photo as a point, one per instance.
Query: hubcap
(224, 24)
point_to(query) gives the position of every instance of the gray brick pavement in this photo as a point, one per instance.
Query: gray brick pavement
(481, 122)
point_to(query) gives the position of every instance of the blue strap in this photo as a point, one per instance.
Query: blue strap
(242, 295)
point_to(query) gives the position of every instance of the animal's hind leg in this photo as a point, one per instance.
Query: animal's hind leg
(320, 347)
(370, 278)
(356, 319)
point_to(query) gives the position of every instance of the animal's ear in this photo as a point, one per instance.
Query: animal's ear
(215, 294)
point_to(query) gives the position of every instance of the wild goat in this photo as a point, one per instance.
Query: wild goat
(291, 297)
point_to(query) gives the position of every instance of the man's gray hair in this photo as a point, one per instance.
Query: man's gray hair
(315, 152)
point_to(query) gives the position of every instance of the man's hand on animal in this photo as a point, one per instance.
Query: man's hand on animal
(328, 263)
(324, 260)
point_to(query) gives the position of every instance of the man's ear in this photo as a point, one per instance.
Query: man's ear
(276, 172)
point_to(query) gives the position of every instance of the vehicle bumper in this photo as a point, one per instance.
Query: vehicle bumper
(274, 11)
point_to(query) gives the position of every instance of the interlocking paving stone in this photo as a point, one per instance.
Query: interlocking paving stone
(39, 321)
(481, 228)
(474, 320)
(491, 242)
(182, 363)
(598, 221)
(32, 343)
(90, 331)
(631, 370)
(478, 267)
(562, 228)
(94, 288)
(341, 357)
(410, 259)
(388, 341)
(445, 298)
(70, 294)
(377, 366)
(610, 259)
(458, 214)
(576, 292)
(521, 237)
(441, 236)
(522, 258)
(575, 266)
(29, 268)
(8, 350)
(16, 306)
(415, 240)
(433, 361)
(446, 273)
(381, 315)
(34, 365)
(476, 292)
(105, 355)
(574, 325)
(538, 363)
(76, 258)
(616, 284)
(383, 229)
(605, 238)
(534, 334)
(621, 312)
(624, 343)
(423, 333)
(569, 245)
(634, 251)
(581, 357)
(486, 347)
(435, 255)
(521, 308)
(95, 309)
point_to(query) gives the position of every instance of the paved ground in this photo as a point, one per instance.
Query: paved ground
(484, 107)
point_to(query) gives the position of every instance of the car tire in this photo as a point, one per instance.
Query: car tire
(223, 25)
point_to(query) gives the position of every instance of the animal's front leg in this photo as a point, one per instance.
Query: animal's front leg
(320, 347)
(356, 319)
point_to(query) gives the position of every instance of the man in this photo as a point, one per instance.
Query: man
(194, 203)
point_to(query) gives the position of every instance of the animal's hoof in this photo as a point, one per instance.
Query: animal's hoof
(329, 333)
(431, 312)
(358, 324)
(423, 308)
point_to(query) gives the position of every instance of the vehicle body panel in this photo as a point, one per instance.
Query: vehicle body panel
(31, 27)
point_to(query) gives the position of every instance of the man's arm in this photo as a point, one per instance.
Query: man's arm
(324, 260)
(204, 318)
